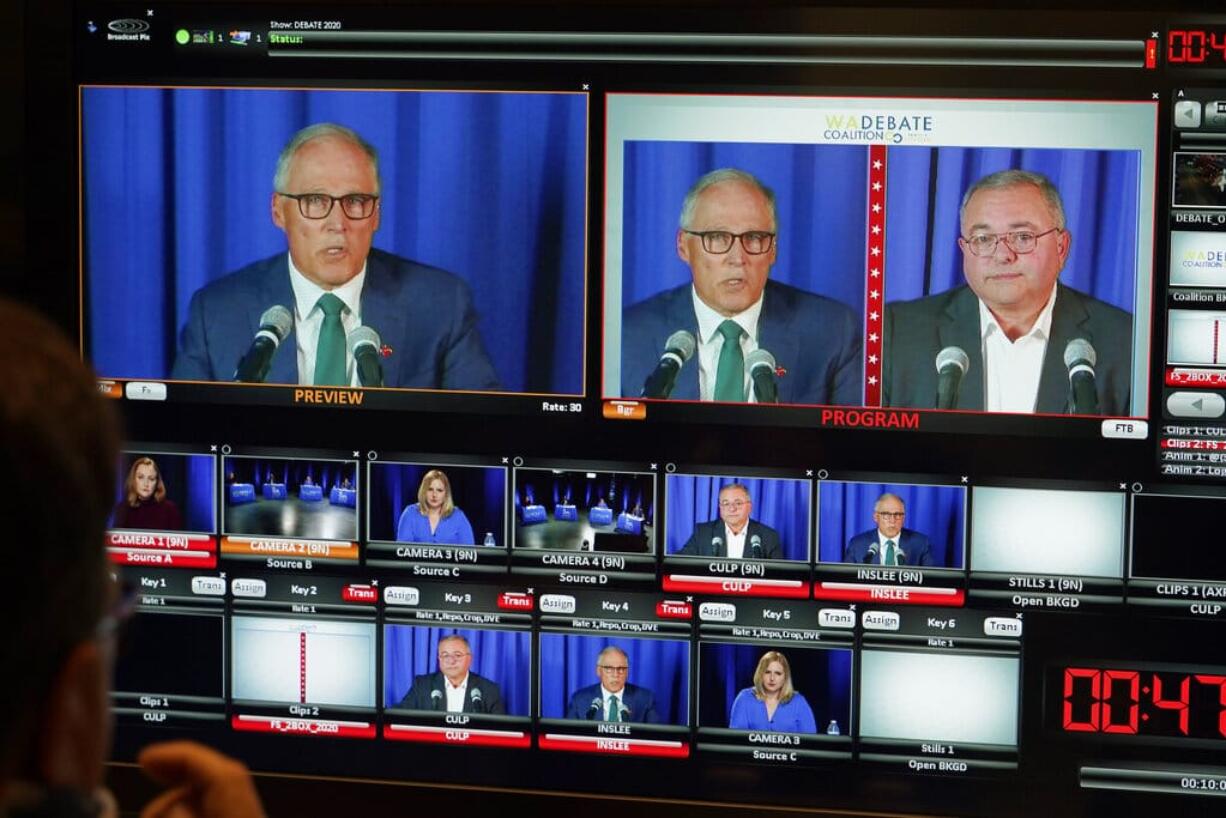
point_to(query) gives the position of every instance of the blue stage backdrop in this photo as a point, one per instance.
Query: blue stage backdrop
(846, 509)
(479, 491)
(568, 663)
(823, 676)
(622, 492)
(784, 505)
(820, 205)
(503, 657)
(189, 481)
(925, 188)
(292, 473)
(490, 186)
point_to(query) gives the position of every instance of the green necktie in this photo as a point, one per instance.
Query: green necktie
(730, 373)
(614, 710)
(330, 352)
(891, 553)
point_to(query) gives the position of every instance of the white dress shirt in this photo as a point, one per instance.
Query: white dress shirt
(735, 543)
(455, 695)
(309, 319)
(1012, 368)
(710, 342)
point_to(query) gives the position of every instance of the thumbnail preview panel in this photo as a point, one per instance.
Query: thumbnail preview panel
(939, 697)
(419, 660)
(475, 495)
(1046, 531)
(854, 519)
(307, 661)
(773, 514)
(585, 510)
(165, 491)
(474, 249)
(656, 681)
(866, 280)
(301, 498)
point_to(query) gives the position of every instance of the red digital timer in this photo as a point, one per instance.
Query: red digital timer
(1141, 702)
(1196, 46)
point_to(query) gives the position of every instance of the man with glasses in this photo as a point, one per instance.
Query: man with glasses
(734, 535)
(1013, 319)
(889, 543)
(728, 238)
(453, 689)
(326, 199)
(613, 699)
(58, 654)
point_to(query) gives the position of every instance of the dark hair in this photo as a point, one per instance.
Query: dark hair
(60, 435)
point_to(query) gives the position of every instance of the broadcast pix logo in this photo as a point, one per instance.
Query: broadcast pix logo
(128, 29)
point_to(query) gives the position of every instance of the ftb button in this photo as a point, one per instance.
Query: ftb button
(1125, 429)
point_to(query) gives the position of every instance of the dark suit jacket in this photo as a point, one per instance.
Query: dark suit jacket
(699, 543)
(914, 544)
(915, 331)
(419, 698)
(816, 339)
(640, 701)
(422, 314)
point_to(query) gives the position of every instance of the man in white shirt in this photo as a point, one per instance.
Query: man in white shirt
(1013, 319)
(613, 699)
(727, 237)
(734, 535)
(326, 199)
(453, 689)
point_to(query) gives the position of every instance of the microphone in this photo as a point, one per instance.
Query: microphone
(717, 546)
(761, 367)
(952, 364)
(436, 698)
(275, 325)
(474, 697)
(755, 546)
(678, 349)
(873, 551)
(364, 345)
(596, 710)
(624, 712)
(900, 556)
(1080, 358)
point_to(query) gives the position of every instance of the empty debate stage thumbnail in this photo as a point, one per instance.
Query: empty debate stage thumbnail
(275, 497)
(583, 510)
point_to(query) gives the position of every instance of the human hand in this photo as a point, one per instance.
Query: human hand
(203, 783)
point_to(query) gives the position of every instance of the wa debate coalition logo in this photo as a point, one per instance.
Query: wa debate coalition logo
(876, 127)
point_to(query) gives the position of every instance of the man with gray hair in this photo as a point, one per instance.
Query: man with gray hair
(326, 199)
(1013, 320)
(727, 237)
(889, 543)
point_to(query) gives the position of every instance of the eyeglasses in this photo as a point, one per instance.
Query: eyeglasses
(893, 515)
(618, 669)
(451, 657)
(1019, 241)
(733, 504)
(319, 205)
(755, 242)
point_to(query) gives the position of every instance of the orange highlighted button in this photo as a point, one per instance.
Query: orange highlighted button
(270, 547)
(110, 389)
(625, 410)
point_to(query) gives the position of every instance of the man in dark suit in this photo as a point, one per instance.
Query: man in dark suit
(453, 689)
(327, 203)
(889, 543)
(1014, 245)
(734, 534)
(613, 699)
(727, 237)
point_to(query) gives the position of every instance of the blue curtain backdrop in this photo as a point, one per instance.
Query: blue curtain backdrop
(568, 662)
(1100, 190)
(784, 505)
(490, 186)
(261, 470)
(846, 509)
(190, 482)
(479, 491)
(820, 203)
(823, 676)
(504, 657)
(622, 492)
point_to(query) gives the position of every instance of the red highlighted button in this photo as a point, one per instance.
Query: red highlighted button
(697, 584)
(891, 594)
(160, 558)
(512, 601)
(674, 609)
(303, 727)
(615, 745)
(360, 593)
(457, 735)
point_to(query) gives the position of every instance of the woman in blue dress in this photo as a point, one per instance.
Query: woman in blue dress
(434, 518)
(772, 704)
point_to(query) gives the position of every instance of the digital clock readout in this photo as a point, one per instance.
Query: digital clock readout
(1141, 702)
(1196, 46)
